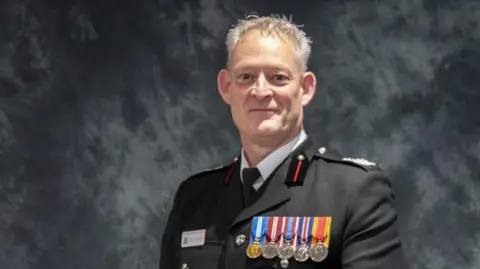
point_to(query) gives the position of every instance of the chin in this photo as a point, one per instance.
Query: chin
(267, 132)
(266, 128)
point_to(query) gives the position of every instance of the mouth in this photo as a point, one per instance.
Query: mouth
(264, 110)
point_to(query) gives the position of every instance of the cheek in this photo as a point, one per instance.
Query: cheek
(286, 100)
(240, 98)
(291, 101)
(237, 104)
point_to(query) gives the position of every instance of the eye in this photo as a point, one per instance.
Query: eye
(245, 77)
(279, 78)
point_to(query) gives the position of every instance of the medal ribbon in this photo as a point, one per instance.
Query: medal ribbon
(273, 229)
(310, 229)
(326, 238)
(318, 231)
(305, 224)
(254, 229)
(283, 229)
(258, 229)
(278, 228)
(269, 230)
(295, 229)
(263, 225)
(300, 231)
(288, 234)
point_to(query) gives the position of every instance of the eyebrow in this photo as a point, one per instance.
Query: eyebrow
(277, 68)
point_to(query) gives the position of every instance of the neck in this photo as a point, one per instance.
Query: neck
(256, 149)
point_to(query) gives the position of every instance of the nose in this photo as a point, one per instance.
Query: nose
(262, 87)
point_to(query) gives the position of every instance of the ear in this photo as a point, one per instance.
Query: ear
(309, 85)
(223, 85)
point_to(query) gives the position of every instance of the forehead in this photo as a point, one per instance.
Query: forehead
(257, 49)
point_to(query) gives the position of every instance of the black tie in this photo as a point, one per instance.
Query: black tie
(249, 176)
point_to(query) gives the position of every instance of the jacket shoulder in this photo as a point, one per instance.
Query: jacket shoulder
(349, 161)
(212, 171)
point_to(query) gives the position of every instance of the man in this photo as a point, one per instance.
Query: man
(283, 203)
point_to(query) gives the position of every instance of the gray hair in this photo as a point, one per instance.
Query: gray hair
(269, 24)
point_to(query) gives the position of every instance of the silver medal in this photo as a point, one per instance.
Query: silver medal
(269, 251)
(318, 252)
(301, 254)
(284, 263)
(286, 251)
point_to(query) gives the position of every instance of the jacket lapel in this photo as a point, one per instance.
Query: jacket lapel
(275, 190)
(229, 198)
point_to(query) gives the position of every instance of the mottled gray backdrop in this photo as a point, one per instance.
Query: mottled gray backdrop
(106, 106)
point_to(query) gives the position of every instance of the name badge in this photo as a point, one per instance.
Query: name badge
(193, 238)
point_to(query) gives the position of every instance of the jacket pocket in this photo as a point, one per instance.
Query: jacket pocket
(202, 257)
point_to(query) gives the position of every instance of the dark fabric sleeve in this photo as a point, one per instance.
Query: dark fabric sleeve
(371, 239)
(170, 241)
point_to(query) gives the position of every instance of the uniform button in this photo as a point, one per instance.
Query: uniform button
(184, 266)
(240, 239)
(322, 150)
(284, 263)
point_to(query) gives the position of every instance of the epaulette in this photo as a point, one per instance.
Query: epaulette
(361, 163)
(220, 168)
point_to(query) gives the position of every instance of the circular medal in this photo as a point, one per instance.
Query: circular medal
(285, 252)
(284, 263)
(301, 254)
(254, 250)
(269, 251)
(318, 252)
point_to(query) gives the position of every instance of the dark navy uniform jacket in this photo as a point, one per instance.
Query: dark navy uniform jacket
(358, 198)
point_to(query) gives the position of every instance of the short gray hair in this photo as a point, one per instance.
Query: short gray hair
(273, 23)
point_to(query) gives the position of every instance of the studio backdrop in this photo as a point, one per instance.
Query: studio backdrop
(106, 106)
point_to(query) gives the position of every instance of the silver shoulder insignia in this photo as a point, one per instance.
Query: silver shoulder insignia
(359, 161)
(322, 150)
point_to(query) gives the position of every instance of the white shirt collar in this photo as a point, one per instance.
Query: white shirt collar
(269, 163)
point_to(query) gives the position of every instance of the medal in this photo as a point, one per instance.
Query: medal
(318, 252)
(281, 236)
(301, 253)
(269, 251)
(320, 238)
(284, 263)
(286, 250)
(254, 249)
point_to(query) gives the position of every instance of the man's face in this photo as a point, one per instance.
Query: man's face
(264, 86)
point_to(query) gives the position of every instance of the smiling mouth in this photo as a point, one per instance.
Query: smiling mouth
(263, 110)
